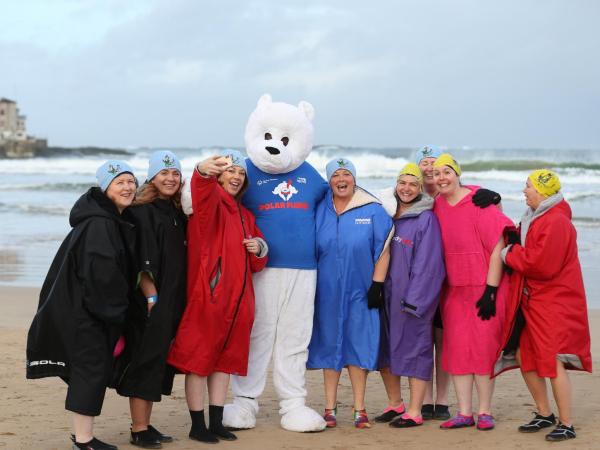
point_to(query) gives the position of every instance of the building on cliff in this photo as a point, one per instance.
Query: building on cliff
(14, 141)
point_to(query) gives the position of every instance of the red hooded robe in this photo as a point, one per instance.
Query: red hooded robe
(547, 285)
(214, 333)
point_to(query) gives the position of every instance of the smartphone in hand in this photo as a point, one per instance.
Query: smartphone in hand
(228, 160)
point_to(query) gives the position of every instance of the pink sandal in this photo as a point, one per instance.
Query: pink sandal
(390, 413)
(406, 421)
(458, 421)
(485, 422)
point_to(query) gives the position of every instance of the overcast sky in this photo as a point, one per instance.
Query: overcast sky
(478, 73)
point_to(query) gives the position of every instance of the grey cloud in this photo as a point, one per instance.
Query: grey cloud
(511, 73)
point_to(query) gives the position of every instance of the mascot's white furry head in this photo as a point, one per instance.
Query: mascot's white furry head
(279, 136)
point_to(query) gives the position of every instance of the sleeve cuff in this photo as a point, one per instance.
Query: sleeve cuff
(264, 248)
(409, 308)
(504, 251)
(202, 174)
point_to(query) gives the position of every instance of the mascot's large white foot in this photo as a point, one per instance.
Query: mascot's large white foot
(241, 414)
(295, 416)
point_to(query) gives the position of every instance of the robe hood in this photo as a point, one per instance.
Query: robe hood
(360, 198)
(425, 203)
(93, 203)
(553, 202)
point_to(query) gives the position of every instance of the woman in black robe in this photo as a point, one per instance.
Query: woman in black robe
(84, 299)
(153, 317)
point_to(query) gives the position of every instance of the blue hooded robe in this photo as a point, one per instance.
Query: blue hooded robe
(345, 330)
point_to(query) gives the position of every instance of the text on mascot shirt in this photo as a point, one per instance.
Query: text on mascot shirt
(292, 197)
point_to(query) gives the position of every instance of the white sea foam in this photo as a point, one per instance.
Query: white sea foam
(370, 163)
(52, 210)
(567, 176)
(568, 195)
(367, 165)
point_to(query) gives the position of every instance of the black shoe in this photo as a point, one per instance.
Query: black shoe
(94, 444)
(538, 423)
(223, 434)
(427, 411)
(400, 422)
(441, 412)
(561, 433)
(161, 437)
(203, 436)
(387, 416)
(145, 439)
(215, 414)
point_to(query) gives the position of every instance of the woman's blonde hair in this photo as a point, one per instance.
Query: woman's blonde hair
(147, 193)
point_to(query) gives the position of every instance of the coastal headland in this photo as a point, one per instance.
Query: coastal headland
(32, 148)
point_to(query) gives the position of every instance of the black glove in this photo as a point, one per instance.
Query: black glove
(484, 198)
(487, 303)
(375, 295)
(512, 237)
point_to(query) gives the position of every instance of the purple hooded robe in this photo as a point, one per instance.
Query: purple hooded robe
(412, 292)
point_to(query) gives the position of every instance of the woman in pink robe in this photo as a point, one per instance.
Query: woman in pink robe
(472, 303)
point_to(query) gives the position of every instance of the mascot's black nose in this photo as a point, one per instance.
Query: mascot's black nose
(272, 150)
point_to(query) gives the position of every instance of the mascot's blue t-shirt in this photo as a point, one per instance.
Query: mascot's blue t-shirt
(284, 206)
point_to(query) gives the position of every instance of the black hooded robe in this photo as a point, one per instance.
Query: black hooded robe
(83, 303)
(161, 251)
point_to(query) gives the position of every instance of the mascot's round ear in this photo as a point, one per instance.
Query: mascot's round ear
(307, 109)
(264, 99)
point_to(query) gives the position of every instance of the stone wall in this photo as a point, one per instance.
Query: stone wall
(22, 149)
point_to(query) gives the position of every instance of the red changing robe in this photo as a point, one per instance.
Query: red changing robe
(548, 286)
(214, 333)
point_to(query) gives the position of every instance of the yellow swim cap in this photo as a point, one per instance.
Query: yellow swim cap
(411, 169)
(545, 182)
(446, 159)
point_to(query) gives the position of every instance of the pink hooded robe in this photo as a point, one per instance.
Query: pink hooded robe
(469, 235)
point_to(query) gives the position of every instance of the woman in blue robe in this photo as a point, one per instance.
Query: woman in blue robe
(352, 231)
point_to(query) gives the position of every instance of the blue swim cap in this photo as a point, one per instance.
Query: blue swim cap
(236, 157)
(429, 151)
(339, 163)
(160, 160)
(110, 170)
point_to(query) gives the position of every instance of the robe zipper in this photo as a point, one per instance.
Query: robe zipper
(239, 301)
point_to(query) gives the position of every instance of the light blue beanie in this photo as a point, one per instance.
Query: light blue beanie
(160, 160)
(110, 170)
(429, 151)
(237, 158)
(339, 163)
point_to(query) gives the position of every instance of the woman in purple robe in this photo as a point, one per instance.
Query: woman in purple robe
(412, 292)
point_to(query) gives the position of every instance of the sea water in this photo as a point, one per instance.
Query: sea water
(37, 194)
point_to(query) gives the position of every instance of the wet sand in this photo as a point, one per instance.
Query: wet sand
(32, 412)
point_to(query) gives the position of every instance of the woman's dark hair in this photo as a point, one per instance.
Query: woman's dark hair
(239, 195)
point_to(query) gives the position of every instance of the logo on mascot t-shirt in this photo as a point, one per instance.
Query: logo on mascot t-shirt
(285, 190)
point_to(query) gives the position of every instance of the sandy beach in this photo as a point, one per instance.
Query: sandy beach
(32, 412)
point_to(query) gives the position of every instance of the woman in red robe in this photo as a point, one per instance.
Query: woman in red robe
(224, 248)
(547, 302)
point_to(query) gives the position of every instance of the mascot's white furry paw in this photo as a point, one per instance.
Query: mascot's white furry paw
(186, 197)
(241, 414)
(303, 420)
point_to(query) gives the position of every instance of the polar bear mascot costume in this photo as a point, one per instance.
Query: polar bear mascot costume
(283, 194)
